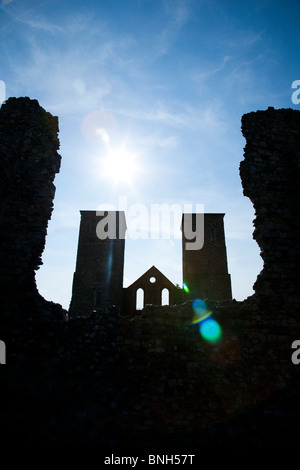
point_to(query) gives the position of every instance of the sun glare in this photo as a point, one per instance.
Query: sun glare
(120, 165)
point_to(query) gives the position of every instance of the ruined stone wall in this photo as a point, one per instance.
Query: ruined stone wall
(29, 162)
(152, 382)
(270, 178)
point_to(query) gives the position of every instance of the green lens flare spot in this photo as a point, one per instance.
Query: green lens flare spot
(210, 330)
(185, 288)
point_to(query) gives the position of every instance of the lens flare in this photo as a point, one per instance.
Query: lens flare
(201, 311)
(185, 288)
(98, 126)
(210, 330)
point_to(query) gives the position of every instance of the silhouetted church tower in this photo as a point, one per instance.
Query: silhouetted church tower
(98, 278)
(205, 270)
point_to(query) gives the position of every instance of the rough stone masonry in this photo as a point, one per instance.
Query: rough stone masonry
(29, 162)
(270, 177)
(149, 382)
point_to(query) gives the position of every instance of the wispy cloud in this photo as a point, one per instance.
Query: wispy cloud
(158, 139)
(177, 16)
(39, 23)
(187, 116)
(207, 71)
(244, 39)
(250, 78)
(72, 78)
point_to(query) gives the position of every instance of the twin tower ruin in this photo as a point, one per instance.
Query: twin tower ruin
(98, 277)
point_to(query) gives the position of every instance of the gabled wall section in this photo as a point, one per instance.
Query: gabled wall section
(152, 282)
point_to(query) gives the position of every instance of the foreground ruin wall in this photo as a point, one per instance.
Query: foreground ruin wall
(270, 178)
(29, 162)
(151, 382)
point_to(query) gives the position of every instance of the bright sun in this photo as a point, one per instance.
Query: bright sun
(120, 165)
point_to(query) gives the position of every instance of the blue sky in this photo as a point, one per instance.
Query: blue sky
(164, 83)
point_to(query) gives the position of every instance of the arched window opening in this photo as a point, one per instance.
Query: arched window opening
(139, 299)
(165, 297)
